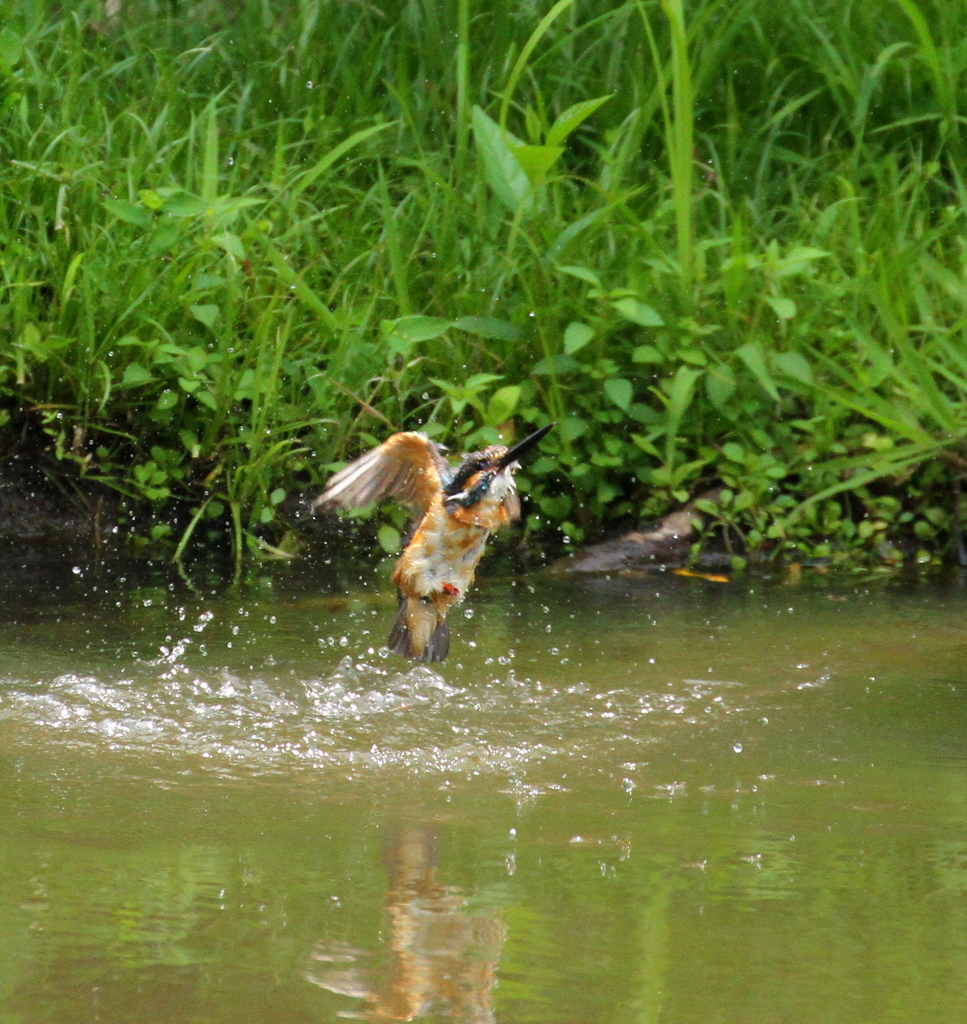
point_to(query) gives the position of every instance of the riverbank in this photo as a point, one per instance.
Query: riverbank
(721, 253)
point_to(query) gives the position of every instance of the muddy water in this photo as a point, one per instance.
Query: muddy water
(629, 799)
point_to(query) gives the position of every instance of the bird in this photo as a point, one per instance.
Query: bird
(455, 509)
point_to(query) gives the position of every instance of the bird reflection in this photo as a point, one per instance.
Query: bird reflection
(440, 960)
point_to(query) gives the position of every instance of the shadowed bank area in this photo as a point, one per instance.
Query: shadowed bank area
(639, 796)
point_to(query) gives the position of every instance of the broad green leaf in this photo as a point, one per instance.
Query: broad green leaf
(537, 161)
(244, 387)
(557, 363)
(556, 506)
(190, 441)
(797, 260)
(163, 238)
(571, 118)
(460, 395)
(582, 274)
(420, 328)
(489, 327)
(638, 313)
(576, 336)
(229, 204)
(793, 364)
(11, 47)
(231, 243)
(880, 362)
(478, 381)
(680, 391)
(571, 428)
(619, 391)
(198, 357)
(785, 309)
(399, 346)
(502, 404)
(205, 313)
(389, 539)
(167, 400)
(751, 355)
(135, 374)
(734, 452)
(719, 384)
(151, 199)
(130, 213)
(647, 354)
(644, 413)
(503, 172)
(804, 253)
(695, 356)
(184, 204)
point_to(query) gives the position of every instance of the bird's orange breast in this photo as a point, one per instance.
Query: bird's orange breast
(485, 515)
(440, 560)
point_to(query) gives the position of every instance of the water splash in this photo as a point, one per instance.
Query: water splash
(361, 718)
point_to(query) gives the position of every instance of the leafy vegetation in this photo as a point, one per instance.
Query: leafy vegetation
(718, 245)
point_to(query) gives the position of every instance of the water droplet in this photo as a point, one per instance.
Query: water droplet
(737, 747)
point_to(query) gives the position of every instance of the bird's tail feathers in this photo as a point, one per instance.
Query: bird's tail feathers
(418, 632)
(439, 643)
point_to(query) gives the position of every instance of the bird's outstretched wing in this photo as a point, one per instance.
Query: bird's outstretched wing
(407, 467)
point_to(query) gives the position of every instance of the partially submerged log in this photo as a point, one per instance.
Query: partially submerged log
(668, 542)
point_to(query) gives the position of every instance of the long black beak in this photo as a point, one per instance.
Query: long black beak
(523, 447)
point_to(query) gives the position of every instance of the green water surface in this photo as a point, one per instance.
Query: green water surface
(631, 799)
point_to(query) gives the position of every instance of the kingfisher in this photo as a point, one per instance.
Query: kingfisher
(455, 509)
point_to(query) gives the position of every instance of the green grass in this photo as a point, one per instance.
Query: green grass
(718, 243)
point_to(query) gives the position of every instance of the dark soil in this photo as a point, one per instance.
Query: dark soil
(40, 504)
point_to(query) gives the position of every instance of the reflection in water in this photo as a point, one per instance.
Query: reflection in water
(439, 960)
